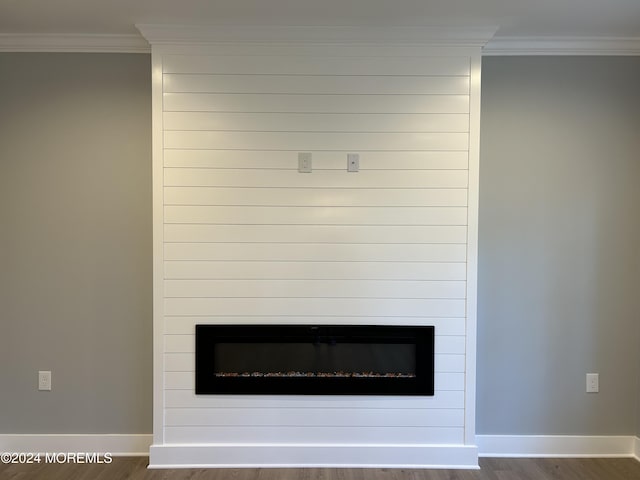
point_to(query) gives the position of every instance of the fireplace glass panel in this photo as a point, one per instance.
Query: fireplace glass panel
(314, 360)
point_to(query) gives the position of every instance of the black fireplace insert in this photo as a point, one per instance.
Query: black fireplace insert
(315, 359)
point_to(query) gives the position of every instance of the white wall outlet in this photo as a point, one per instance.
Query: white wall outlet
(353, 162)
(44, 380)
(304, 162)
(593, 383)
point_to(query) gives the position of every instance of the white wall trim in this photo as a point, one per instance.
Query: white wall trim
(80, 43)
(118, 445)
(313, 456)
(503, 46)
(200, 34)
(163, 34)
(556, 446)
(471, 329)
(157, 172)
(289, 455)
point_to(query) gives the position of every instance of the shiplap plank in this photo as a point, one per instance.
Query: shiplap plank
(315, 435)
(188, 399)
(185, 362)
(318, 252)
(186, 381)
(314, 289)
(445, 328)
(287, 160)
(316, 65)
(273, 103)
(318, 84)
(307, 122)
(314, 306)
(231, 215)
(320, 417)
(453, 344)
(180, 343)
(340, 234)
(444, 344)
(330, 141)
(328, 197)
(450, 363)
(179, 362)
(201, 177)
(250, 270)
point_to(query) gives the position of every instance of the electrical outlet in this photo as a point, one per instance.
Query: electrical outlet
(593, 383)
(44, 380)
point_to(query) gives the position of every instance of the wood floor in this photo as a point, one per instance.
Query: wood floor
(491, 469)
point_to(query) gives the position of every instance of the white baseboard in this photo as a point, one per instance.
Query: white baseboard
(340, 456)
(117, 445)
(556, 446)
(415, 456)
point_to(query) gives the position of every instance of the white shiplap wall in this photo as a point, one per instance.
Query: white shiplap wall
(246, 238)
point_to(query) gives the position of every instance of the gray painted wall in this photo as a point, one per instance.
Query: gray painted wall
(559, 233)
(559, 229)
(75, 243)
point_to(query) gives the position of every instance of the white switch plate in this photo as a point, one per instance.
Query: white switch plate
(353, 162)
(304, 162)
(593, 383)
(44, 380)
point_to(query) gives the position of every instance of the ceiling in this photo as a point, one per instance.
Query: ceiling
(588, 18)
(593, 19)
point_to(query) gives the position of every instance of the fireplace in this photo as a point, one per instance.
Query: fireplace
(314, 360)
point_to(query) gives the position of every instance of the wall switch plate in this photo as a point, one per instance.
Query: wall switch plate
(304, 162)
(593, 383)
(353, 162)
(44, 380)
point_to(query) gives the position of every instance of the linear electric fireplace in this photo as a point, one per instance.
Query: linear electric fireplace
(314, 360)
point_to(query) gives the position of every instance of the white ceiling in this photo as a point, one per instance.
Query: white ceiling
(522, 18)
(523, 26)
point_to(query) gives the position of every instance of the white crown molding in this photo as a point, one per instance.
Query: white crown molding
(199, 35)
(504, 46)
(182, 35)
(80, 43)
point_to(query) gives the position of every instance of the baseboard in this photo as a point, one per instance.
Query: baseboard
(556, 446)
(307, 456)
(164, 456)
(117, 445)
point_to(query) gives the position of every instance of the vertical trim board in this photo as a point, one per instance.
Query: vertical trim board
(472, 249)
(158, 249)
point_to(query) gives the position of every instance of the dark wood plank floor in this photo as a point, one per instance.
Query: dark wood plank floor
(130, 468)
